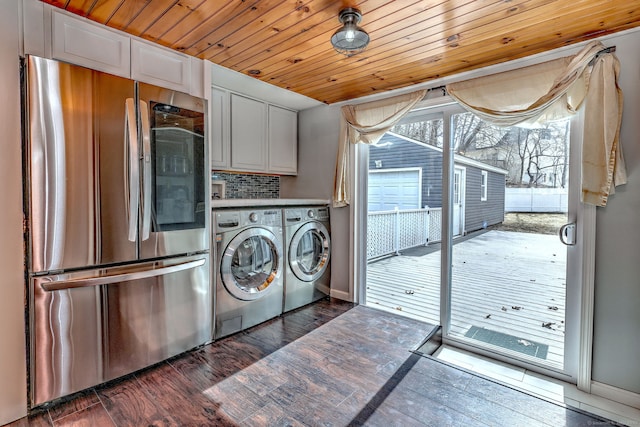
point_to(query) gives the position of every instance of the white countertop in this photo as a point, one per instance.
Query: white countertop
(249, 203)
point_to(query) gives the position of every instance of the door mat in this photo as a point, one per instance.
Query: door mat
(509, 342)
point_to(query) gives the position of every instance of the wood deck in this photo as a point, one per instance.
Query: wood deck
(493, 274)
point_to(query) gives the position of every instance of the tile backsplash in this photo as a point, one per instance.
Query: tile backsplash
(248, 186)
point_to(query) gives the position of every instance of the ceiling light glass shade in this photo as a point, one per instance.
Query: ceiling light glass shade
(350, 39)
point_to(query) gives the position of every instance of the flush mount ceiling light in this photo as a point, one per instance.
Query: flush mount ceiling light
(350, 39)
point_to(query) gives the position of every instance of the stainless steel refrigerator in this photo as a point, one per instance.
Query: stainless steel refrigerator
(117, 229)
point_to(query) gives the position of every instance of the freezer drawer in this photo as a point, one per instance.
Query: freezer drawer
(93, 326)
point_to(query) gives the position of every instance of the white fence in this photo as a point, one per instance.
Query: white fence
(389, 232)
(535, 200)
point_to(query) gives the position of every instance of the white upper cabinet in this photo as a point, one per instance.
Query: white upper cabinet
(160, 66)
(83, 42)
(34, 28)
(220, 152)
(89, 45)
(283, 140)
(248, 136)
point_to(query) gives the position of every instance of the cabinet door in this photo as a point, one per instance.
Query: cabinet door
(248, 136)
(197, 78)
(84, 43)
(160, 66)
(35, 17)
(220, 143)
(283, 140)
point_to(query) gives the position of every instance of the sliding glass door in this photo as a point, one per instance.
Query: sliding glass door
(501, 270)
(404, 219)
(509, 278)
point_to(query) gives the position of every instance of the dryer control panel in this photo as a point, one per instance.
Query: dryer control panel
(298, 215)
(231, 220)
(321, 214)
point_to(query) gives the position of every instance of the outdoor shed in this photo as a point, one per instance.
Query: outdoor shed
(407, 174)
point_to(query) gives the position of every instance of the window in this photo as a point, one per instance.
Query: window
(483, 186)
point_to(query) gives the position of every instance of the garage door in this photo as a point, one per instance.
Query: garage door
(393, 188)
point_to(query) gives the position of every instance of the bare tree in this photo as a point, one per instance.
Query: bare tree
(565, 154)
(538, 155)
(428, 131)
(467, 126)
(542, 151)
(523, 150)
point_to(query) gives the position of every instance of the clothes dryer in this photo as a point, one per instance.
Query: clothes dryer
(308, 253)
(249, 268)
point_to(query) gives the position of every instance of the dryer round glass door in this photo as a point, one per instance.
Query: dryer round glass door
(309, 251)
(250, 263)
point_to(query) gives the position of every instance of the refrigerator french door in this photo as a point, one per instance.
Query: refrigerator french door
(117, 235)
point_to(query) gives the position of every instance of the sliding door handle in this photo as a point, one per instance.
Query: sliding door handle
(567, 234)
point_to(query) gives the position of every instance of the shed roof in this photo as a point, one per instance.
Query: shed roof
(457, 158)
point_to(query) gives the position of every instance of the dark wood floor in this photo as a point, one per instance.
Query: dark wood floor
(328, 364)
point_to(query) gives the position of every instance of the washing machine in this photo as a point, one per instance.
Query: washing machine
(308, 253)
(249, 268)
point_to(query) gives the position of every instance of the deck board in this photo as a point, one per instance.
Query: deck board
(490, 271)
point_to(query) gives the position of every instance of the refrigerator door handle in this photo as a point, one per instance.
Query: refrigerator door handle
(132, 175)
(146, 168)
(142, 273)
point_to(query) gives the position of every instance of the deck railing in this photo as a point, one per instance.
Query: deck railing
(389, 232)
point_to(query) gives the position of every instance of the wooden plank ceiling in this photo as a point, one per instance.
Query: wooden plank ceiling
(286, 42)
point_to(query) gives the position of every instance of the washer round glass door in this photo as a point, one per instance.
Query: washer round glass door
(309, 251)
(250, 263)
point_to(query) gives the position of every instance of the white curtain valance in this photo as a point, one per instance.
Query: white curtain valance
(555, 90)
(366, 123)
(603, 166)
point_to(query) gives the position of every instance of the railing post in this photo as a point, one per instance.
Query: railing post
(397, 231)
(426, 224)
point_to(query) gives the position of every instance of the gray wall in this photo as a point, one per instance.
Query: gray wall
(318, 130)
(481, 214)
(617, 301)
(13, 373)
(616, 352)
